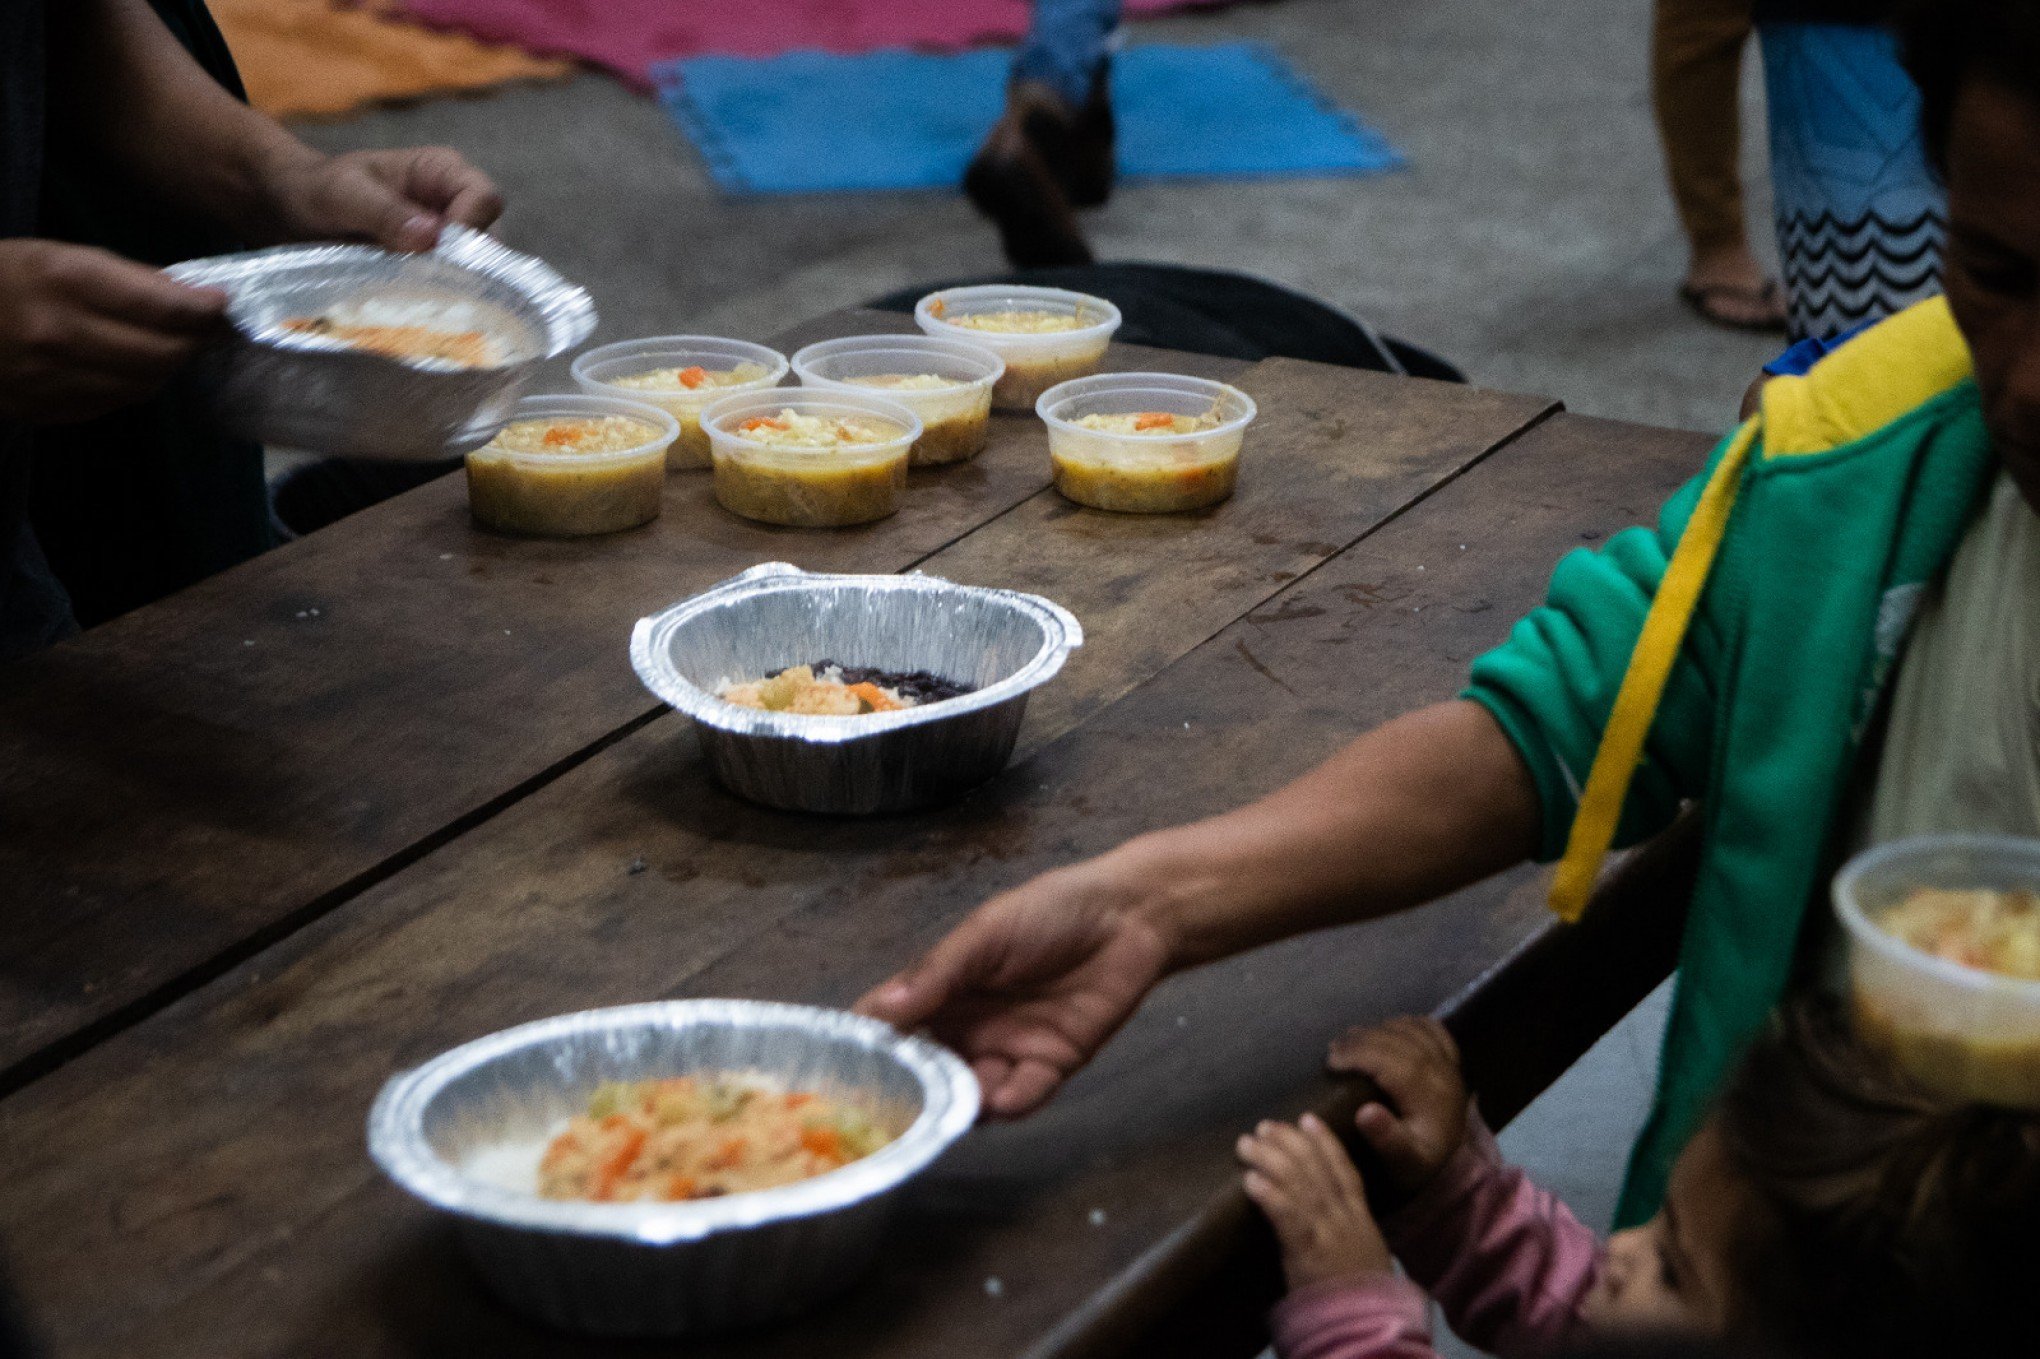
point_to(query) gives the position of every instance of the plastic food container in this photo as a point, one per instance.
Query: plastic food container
(1958, 1029)
(1003, 644)
(809, 486)
(608, 369)
(571, 494)
(1145, 472)
(271, 381)
(955, 419)
(1035, 361)
(623, 1269)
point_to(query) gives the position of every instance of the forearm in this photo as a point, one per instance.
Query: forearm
(1423, 805)
(122, 84)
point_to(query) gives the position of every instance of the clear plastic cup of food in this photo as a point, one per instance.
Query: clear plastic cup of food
(810, 458)
(1944, 960)
(1045, 335)
(1145, 443)
(680, 374)
(948, 383)
(571, 466)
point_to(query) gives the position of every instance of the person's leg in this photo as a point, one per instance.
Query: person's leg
(1067, 46)
(1051, 151)
(1696, 69)
(1860, 213)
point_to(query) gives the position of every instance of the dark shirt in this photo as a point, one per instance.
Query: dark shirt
(149, 499)
(33, 609)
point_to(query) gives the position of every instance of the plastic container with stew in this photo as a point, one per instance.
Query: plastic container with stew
(680, 374)
(570, 466)
(1157, 463)
(1045, 335)
(1958, 1029)
(812, 485)
(948, 383)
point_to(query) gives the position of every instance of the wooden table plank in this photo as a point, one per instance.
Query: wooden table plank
(190, 782)
(211, 1160)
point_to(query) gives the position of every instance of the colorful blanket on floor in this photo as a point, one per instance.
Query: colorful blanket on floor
(631, 37)
(810, 122)
(322, 58)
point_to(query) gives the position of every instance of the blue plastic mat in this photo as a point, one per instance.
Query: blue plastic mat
(816, 122)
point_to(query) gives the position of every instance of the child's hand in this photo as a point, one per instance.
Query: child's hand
(1416, 1064)
(1303, 1180)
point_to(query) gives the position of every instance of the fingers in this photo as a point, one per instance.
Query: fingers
(913, 997)
(1303, 1161)
(441, 179)
(1393, 1140)
(349, 198)
(1406, 1057)
(133, 294)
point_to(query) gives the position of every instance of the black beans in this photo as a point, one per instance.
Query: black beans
(916, 686)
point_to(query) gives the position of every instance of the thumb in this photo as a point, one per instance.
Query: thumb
(1391, 1139)
(914, 996)
(356, 203)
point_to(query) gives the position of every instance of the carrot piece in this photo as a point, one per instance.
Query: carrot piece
(1153, 420)
(878, 699)
(824, 1142)
(799, 1099)
(615, 1165)
(938, 308)
(691, 377)
(682, 1187)
(559, 435)
(729, 1154)
(760, 422)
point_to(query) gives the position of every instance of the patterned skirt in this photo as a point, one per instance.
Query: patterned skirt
(1860, 214)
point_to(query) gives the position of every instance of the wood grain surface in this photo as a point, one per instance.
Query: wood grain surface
(209, 1159)
(188, 783)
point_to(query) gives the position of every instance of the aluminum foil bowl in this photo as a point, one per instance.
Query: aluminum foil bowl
(307, 391)
(1002, 643)
(443, 1130)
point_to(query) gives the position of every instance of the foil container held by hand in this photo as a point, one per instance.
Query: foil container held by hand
(652, 1268)
(304, 390)
(1001, 643)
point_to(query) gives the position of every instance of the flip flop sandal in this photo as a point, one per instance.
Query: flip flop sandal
(1702, 302)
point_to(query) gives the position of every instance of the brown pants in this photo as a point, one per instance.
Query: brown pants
(1696, 68)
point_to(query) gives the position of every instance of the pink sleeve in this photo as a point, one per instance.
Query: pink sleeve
(1379, 1317)
(1507, 1262)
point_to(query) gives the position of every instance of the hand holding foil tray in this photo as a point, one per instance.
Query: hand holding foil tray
(296, 387)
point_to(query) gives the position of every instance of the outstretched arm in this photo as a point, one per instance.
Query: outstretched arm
(1036, 980)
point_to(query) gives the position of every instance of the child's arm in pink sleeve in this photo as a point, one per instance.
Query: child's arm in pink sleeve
(1507, 1262)
(1383, 1317)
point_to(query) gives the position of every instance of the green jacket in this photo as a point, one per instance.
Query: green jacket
(1823, 520)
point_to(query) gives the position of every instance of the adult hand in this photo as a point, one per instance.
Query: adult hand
(1033, 983)
(397, 199)
(83, 331)
(1416, 1064)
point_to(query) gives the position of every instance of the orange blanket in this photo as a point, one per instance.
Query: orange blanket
(322, 58)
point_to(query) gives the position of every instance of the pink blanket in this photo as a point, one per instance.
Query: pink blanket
(631, 36)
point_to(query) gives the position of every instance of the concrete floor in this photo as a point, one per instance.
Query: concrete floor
(1531, 240)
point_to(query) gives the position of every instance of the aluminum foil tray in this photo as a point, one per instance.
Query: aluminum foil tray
(305, 391)
(623, 1269)
(1002, 643)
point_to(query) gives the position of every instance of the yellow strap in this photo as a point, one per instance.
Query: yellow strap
(1643, 686)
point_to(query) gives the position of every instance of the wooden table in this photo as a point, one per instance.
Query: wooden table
(394, 786)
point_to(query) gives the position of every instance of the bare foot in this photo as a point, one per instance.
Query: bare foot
(1303, 1180)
